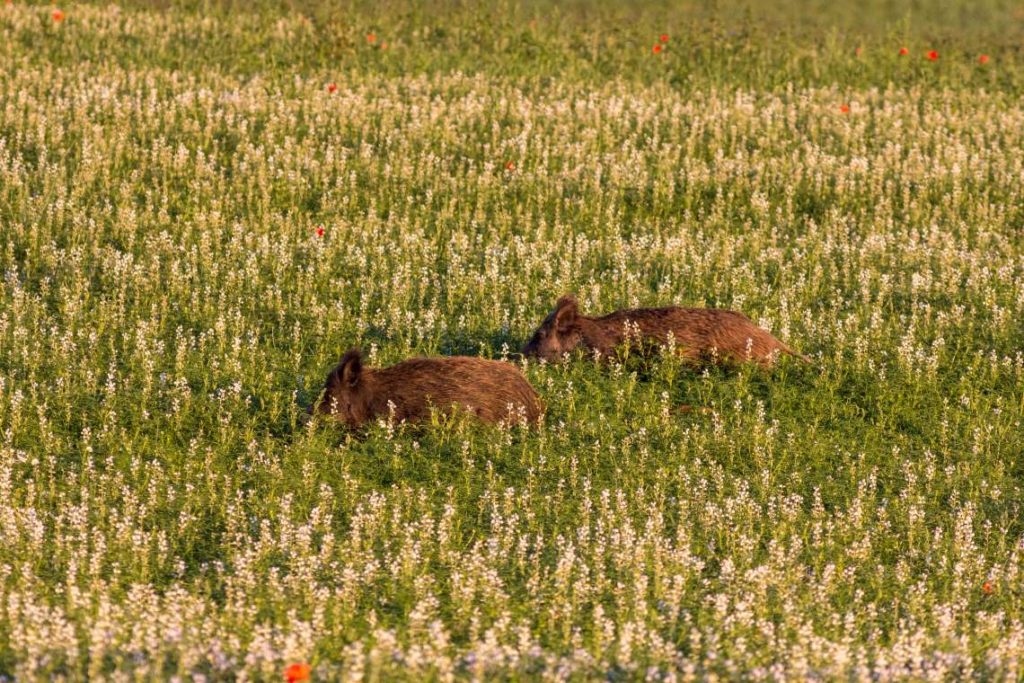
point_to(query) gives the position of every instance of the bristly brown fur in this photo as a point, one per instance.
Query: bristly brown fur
(699, 334)
(493, 391)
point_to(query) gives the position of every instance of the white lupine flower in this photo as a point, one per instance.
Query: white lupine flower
(167, 303)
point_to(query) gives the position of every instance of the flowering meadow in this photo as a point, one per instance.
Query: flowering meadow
(201, 211)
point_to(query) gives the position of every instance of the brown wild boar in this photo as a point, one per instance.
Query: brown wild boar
(700, 334)
(491, 390)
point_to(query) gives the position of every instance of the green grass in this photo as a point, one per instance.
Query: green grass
(167, 310)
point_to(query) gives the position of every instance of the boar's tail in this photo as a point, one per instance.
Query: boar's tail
(685, 408)
(795, 354)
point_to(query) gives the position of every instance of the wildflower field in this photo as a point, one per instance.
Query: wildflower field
(203, 205)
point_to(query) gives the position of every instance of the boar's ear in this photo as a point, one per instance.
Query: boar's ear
(348, 371)
(565, 312)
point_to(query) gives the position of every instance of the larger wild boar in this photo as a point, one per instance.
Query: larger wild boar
(491, 390)
(699, 334)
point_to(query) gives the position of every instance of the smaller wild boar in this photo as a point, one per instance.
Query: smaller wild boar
(491, 390)
(699, 334)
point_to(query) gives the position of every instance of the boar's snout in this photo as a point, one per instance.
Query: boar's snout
(537, 348)
(542, 347)
(529, 349)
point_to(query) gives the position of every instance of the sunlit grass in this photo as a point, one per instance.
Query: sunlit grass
(194, 227)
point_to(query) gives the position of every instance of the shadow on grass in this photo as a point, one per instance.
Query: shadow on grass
(493, 344)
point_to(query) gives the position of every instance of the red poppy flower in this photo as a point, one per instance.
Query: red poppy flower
(510, 166)
(656, 49)
(57, 15)
(319, 231)
(331, 87)
(371, 38)
(987, 588)
(933, 55)
(904, 51)
(297, 672)
(845, 108)
(663, 37)
(858, 51)
(983, 59)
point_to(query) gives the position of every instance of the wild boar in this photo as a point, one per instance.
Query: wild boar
(491, 390)
(699, 334)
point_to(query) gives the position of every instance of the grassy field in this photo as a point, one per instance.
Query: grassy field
(202, 206)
